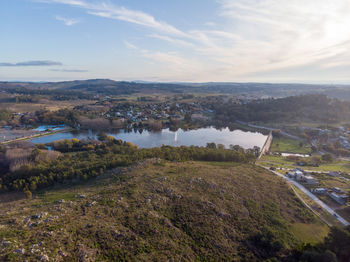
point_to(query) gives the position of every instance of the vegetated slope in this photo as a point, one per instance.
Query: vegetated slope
(111, 87)
(308, 108)
(158, 211)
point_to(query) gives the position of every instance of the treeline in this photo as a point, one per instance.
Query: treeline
(5, 115)
(62, 116)
(312, 108)
(85, 159)
(334, 248)
(26, 99)
(54, 94)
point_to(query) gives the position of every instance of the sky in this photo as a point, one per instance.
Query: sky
(176, 41)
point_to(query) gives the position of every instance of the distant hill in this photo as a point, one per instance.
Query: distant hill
(111, 87)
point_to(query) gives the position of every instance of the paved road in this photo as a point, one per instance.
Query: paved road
(314, 198)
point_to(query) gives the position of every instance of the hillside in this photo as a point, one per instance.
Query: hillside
(159, 211)
(111, 87)
(314, 108)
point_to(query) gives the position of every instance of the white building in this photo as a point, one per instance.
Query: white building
(340, 199)
(298, 175)
(333, 174)
(320, 191)
(310, 180)
(338, 190)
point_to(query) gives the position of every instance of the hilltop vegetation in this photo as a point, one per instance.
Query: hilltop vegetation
(86, 88)
(159, 211)
(30, 168)
(314, 108)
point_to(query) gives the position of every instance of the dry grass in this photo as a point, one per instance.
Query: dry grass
(43, 104)
(158, 212)
(100, 123)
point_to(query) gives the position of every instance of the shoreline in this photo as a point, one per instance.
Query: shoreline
(70, 129)
(37, 136)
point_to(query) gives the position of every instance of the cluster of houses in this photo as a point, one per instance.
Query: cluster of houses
(340, 135)
(143, 112)
(299, 175)
(335, 193)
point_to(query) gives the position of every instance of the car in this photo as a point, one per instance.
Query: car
(335, 215)
(272, 168)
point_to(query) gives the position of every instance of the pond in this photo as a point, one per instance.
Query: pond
(147, 139)
(49, 127)
(293, 154)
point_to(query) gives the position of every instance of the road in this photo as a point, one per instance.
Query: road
(313, 197)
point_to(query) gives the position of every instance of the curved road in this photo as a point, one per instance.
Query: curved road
(313, 197)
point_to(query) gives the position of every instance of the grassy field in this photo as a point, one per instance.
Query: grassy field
(288, 145)
(325, 216)
(325, 180)
(311, 233)
(329, 182)
(162, 211)
(280, 161)
(43, 104)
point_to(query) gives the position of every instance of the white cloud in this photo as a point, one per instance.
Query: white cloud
(251, 37)
(173, 40)
(111, 11)
(282, 34)
(176, 67)
(130, 45)
(67, 21)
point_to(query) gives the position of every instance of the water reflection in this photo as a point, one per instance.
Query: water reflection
(147, 139)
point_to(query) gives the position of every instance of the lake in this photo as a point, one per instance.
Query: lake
(147, 139)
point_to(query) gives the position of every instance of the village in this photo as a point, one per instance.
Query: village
(311, 183)
(140, 112)
(334, 139)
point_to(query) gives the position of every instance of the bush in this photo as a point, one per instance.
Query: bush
(28, 194)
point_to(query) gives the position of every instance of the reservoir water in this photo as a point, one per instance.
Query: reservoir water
(147, 139)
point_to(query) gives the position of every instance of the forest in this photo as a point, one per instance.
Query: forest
(28, 168)
(306, 108)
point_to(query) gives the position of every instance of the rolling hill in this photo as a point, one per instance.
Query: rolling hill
(160, 211)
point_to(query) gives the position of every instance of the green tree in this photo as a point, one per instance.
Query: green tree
(28, 194)
(338, 241)
(188, 117)
(211, 145)
(327, 158)
(102, 136)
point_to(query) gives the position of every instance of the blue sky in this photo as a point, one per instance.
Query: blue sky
(182, 40)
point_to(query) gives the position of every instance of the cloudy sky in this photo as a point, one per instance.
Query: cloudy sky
(182, 40)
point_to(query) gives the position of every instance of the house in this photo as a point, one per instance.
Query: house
(320, 191)
(296, 174)
(340, 199)
(291, 175)
(299, 176)
(338, 190)
(333, 174)
(310, 180)
(298, 169)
